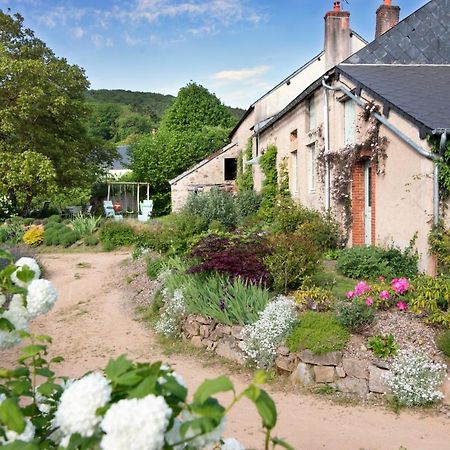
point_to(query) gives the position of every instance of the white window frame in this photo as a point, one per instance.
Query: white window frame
(312, 113)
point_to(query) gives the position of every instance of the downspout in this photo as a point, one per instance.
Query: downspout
(417, 148)
(326, 136)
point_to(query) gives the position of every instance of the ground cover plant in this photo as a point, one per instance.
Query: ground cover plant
(143, 403)
(318, 332)
(56, 233)
(382, 346)
(443, 342)
(414, 379)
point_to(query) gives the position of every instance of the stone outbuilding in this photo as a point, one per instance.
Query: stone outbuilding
(217, 171)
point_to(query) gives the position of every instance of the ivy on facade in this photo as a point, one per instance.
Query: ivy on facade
(244, 179)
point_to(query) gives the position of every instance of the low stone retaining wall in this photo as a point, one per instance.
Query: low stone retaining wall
(349, 375)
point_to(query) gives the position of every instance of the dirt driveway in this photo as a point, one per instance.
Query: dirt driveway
(92, 322)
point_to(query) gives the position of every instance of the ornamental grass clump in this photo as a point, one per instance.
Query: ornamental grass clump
(261, 339)
(230, 302)
(414, 379)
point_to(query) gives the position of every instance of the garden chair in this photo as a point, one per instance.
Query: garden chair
(146, 208)
(109, 211)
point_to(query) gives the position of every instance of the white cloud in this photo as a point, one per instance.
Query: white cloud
(200, 31)
(78, 32)
(100, 41)
(240, 75)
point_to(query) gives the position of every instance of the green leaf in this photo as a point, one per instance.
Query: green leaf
(57, 360)
(279, 442)
(6, 325)
(144, 388)
(210, 408)
(198, 426)
(117, 367)
(264, 404)
(6, 255)
(47, 389)
(211, 387)
(31, 350)
(11, 416)
(44, 338)
(20, 445)
(25, 274)
(173, 387)
(260, 377)
(20, 387)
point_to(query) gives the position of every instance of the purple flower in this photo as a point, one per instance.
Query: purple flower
(400, 285)
(402, 306)
(384, 295)
(369, 301)
(222, 304)
(350, 295)
(362, 288)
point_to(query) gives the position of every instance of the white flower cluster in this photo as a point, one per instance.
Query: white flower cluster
(415, 379)
(27, 434)
(261, 339)
(173, 311)
(77, 409)
(40, 298)
(232, 444)
(136, 424)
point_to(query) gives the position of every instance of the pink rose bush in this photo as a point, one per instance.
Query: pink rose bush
(382, 295)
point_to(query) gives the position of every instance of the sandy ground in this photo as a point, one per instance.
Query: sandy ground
(92, 322)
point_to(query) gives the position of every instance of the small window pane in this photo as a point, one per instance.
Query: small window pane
(349, 122)
(230, 169)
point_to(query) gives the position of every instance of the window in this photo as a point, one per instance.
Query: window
(294, 138)
(312, 113)
(349, 122)
(311, 160)
(294, 172)
(230, 169)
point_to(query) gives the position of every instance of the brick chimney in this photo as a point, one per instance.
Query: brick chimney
(337, 36)
(388, 16)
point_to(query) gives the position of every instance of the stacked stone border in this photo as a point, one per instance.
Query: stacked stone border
(348, 375)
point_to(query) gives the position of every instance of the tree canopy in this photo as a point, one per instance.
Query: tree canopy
(43, 107)
(196, 125)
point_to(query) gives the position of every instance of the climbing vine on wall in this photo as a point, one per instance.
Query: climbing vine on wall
(444, 166)
(342, 161)
(268, 163)
(244, 179)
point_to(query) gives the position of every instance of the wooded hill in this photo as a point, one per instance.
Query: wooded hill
(120, 115)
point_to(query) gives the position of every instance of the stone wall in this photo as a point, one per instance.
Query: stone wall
(348, 375)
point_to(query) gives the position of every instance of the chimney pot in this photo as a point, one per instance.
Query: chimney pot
(337, 6)
(388, 2)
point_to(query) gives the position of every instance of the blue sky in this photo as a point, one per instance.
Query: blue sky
(238, 49)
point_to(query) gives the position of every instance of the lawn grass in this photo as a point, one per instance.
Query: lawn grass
(329, 278)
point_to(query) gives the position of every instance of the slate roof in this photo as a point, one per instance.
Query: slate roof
(421, 38)
(123, 161)
(421, 93)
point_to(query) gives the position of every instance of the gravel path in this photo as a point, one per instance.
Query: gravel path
(92, 322)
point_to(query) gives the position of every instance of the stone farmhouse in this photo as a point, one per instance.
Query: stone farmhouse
(356, 138)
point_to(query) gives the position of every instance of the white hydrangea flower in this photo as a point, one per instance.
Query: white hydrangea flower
(31, 264)
(178, 378)
(43, 407)
(204, 440)
(232, 444)
(26, 436)
(16, 302)
(41, 297)
(136, 424)
(76, 412)
(18, 316)
(173, 436)
(261, 339)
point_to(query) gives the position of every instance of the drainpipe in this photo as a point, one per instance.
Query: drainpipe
(326, 136)
(417, 148)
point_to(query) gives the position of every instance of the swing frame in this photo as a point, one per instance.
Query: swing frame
(125, 184)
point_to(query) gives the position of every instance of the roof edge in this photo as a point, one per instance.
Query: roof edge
(202, 163)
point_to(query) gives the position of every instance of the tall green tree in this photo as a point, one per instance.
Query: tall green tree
(196, 125)
(43, 107)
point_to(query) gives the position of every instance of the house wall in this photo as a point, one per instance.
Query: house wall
(206, 177)
(403, 195)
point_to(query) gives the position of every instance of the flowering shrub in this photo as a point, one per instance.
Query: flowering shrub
(139, 406)
(34, 236)
(6, 207)
(23, 297)
(414, 379)
(173, 311)
(237, 257)
(382, 295)
(261, 339)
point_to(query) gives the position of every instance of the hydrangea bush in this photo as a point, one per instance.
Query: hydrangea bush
(128, 406)
(414, 379)
(261, 339)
